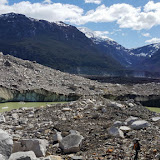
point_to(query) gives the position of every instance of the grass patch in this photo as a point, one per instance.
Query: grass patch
(154, 109)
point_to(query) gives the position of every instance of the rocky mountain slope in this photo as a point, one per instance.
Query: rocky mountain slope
(146, 51)
(140, 59)
(29, 81)
(110, 47)
(56, 45)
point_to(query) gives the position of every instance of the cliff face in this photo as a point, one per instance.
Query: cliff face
(37, 95)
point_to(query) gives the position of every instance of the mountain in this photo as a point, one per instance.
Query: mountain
(109, 47)
(148, 57)
(56, 45)
(146, 51)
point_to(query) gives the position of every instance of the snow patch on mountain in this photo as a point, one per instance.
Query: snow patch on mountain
(146, 51)
(60, 23)
(95, 35)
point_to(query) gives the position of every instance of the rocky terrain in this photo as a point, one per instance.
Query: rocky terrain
(29, 81)
(90, 128)
(22, 80)
(101, 121)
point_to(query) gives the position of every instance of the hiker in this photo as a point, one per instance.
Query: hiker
(136, 147)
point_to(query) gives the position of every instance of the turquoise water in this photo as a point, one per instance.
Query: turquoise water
(15, 105)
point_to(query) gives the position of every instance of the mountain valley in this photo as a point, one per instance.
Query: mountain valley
(44, 62)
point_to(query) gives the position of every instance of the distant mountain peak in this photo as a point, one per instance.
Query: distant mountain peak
(94, 35)
(146, 51)
(11, 15)
(60, 23)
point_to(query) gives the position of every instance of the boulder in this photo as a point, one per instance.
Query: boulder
(130, 120)
(57, 137)
(140, 124)
(76, 157)
(52, 157)
(6, 144)
(2, 119)
(118, 123)
(74, 132)
(2, 157)
(23, 156)
(38, 146)
(154, 119)
(71, 143)
(115, 132)
(125, 129)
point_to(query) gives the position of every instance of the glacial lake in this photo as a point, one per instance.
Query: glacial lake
(15, 105)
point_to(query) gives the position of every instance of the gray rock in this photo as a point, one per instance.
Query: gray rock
(2, 119)
(38, 146)
(52, 157)
(2, 157)
(125, 129)
(154, 119)
(104, 110)
(118, 124)
(23, 156)
(6, 144)
(115, 132)
(157, 156)
(74, 132)
(15, 116)
(77, 157)
(130, 120)
(140, 124)
(71, 143)
(57, 137)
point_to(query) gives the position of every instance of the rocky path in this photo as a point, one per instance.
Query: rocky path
(106, 129)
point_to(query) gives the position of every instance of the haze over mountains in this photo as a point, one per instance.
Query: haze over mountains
(66, 48)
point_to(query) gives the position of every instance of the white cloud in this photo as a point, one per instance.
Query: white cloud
(3, 2)
(125, 15)
(153, 40)
(102, 34)
(93, 1)
(47, 1)
(50, 12)
(146, 34)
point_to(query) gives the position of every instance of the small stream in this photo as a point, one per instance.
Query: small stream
(15, 105)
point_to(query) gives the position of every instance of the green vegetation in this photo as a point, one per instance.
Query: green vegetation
(154, 109)
(15, 105)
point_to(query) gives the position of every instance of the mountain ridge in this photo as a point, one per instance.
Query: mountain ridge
(59, 46)
(64, 47)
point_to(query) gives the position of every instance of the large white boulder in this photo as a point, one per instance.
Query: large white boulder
(115, 132)
(38, 146)
(6, 144)
(2, 157)
(125, 128)
(2, 119)
(57, 137)
(140, 124)
(23, 156)
(52, 157)
(154, 119)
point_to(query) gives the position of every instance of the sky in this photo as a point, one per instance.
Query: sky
(131, 23)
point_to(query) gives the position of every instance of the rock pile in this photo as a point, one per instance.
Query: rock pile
(90, 128)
